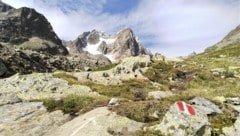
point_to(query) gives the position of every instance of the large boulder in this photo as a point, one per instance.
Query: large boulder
(184, 120)
(98, 122)
(159, 94)
(28, 29)
(29, 119)
(40, 85)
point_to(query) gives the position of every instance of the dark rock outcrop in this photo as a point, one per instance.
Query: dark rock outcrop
(27, 29)
(27, 61)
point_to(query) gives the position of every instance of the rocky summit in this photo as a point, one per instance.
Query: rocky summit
(114, 47)
(111, 85)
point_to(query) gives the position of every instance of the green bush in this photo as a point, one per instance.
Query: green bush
(74, 103)
(70, 104)
(142, 111)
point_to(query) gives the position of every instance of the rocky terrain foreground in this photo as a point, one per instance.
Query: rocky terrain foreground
(110, 85)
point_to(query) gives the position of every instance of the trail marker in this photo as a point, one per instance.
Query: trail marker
(186, 108)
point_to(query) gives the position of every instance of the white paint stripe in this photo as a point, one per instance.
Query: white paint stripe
(83, 125)
(185, 108)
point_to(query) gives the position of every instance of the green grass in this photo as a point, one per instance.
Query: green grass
(105, 67)
(160, 72)
(131, 89)
(219, 121)
(65, 76)
(73, 103)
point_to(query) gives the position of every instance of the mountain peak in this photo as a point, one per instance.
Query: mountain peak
(115, 47)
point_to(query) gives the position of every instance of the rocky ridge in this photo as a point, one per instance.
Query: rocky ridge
(231, 38)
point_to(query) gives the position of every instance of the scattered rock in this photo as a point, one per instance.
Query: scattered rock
(98, 122)
(129, 68)
(217, 71)
(114, 102)
(205, 106)
(159, 94)
(105, 74)
(233, 130)
(234, 100)
(220, 99)
(179, 121)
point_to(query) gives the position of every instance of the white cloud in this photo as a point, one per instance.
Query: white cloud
(176, 27)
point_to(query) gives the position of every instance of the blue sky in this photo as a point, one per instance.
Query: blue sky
(170, 27)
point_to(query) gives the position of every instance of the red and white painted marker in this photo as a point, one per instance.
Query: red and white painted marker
(186, 108)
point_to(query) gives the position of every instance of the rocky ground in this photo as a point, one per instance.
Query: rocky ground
(131, 101)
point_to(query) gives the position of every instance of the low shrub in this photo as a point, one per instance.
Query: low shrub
(70, 104)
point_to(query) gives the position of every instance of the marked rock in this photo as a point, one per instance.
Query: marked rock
(179, 121)
(98, 122)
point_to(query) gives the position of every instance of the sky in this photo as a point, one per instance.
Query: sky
(170, 27)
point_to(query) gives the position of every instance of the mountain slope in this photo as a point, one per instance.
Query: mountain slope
(115, 47)
(231, 38)
(27, 29)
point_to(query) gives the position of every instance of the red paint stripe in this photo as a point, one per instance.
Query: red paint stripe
(191, 110)
(180, 105)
